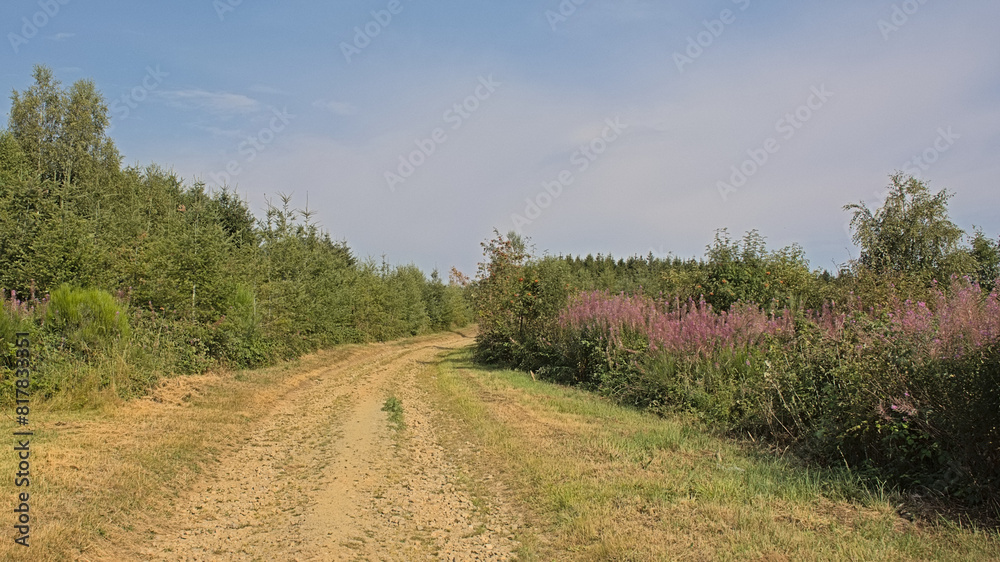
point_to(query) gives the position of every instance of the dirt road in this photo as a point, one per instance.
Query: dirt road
(326, 476)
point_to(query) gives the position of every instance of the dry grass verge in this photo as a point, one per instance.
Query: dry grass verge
(101, 477)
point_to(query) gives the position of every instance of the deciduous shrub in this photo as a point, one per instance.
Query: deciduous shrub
(517, 300)
(87, 319)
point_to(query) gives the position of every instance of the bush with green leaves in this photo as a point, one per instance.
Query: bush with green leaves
(745, 271)
(87, 319)
(239, 338)
(517, 299)
(16, 317)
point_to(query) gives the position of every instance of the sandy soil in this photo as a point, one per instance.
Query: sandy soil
(325, 476)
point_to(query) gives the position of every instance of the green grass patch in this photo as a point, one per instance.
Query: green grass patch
(394, 406)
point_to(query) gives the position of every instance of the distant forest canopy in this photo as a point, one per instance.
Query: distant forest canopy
(194, 266)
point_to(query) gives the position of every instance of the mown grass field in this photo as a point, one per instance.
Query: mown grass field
(602, 482)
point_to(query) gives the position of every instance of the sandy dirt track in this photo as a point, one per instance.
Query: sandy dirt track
(325, 476)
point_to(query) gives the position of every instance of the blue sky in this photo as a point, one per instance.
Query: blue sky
(414, 127)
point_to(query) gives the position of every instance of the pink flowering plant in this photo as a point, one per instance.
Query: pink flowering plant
(910, 387)
(16, 314)
(659, 352)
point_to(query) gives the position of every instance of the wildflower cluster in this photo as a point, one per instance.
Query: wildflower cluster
(910, 387)
(672, 326)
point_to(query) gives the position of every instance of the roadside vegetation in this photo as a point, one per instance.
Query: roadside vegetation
(889, 369)
(601, 481)
(125, 275)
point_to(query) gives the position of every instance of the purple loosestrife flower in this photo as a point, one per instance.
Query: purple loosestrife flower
(950, 324)
(688, 328)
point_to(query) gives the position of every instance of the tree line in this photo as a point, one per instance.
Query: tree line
(99, 260)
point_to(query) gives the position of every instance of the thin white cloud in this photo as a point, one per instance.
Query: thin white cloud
(336, 107)
(62, 36)
(219, 103)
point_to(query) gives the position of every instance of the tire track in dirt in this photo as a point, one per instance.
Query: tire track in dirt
(325, 477)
